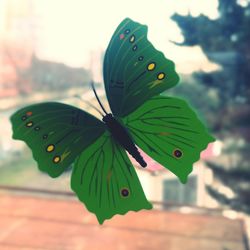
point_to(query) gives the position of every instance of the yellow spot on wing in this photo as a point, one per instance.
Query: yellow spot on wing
(56, 159)
(29, 124)
(132, 39)
(161, 76)
(151, 66)
(50, 148)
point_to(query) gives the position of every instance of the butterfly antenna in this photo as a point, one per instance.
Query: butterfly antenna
(93, 87)
(90, 104)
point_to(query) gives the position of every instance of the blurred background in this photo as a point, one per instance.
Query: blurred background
(50, 51)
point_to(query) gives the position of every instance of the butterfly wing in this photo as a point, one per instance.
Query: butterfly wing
(134, 70)
(169, 131)
(56, 133)
(105, 180)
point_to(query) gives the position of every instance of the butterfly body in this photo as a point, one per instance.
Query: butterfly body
(165, 128)
(123, 137)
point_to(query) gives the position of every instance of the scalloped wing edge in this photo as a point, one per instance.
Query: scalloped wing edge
(101, 221)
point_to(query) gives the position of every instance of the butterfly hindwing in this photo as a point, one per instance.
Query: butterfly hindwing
(134, 70)
(56, 133)
(170, 132)
(105, 180)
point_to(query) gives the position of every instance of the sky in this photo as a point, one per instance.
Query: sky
(74, 31)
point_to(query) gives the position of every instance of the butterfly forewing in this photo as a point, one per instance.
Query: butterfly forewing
(56, 133)
(170, 132)
(105, 180)
(134, 70)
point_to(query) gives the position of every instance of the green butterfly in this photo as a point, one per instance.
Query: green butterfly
(103, 178)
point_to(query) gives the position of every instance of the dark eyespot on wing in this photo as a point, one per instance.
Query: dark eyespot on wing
(140, 58)
(37, 128)
(177, 153)
(127, 31)
(134, 48)
(125, 192)
(45, 136)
